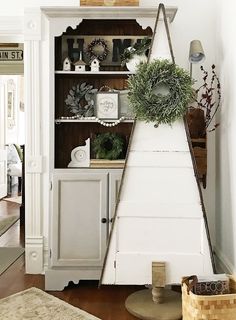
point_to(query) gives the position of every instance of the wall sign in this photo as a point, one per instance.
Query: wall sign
(72, 46)
(11, 55)
(107, 105)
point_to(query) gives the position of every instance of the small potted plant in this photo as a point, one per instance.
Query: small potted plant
(132, 56)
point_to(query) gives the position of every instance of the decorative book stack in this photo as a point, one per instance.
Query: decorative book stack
(213, 285)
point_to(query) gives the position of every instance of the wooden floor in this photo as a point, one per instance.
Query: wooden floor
(107, 302)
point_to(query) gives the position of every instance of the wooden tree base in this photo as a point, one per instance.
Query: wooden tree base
(141, 305)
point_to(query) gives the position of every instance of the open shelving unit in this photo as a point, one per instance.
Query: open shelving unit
(69, 132)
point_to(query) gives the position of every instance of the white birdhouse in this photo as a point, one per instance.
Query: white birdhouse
(67, 64)
(94, 65)
(80, 64)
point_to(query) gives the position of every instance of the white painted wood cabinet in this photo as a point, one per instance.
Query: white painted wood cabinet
(83, 202)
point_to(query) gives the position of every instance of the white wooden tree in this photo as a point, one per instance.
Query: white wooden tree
(160, 216)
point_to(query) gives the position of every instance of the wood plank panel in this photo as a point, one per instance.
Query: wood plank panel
(156, 241)
(149, 209)
(92, 27)
(141, 266)
(109, 3)
(159, 185)
(71, 135)
(160, 159)
(164, 138)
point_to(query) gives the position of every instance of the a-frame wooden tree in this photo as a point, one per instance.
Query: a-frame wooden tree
(160, 214)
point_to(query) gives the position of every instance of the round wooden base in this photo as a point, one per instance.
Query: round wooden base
(140, 304)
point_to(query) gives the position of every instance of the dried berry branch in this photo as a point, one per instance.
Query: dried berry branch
(208, 96)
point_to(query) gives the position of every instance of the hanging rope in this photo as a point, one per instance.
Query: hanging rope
(161, 7)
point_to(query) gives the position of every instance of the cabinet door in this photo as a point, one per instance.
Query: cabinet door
(79, 206)
(114, 185)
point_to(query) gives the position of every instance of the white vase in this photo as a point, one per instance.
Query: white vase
(135, 61)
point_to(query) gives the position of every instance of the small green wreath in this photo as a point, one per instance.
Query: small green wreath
(93, 53)
(145, 95)
(108, 146)
(80, 99)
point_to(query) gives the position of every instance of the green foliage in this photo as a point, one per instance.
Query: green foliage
(80, 100)
(139, 48)
(108, 146)
(157, 107)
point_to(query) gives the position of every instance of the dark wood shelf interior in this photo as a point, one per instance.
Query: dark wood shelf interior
(64, 83)
(99, 28)
(71, 135)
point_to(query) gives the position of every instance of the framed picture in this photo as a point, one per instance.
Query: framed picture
(10, 103)
(107, 105)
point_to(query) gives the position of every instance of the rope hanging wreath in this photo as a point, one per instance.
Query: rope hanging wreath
(98, 49)
(108, 146)
(148, 99)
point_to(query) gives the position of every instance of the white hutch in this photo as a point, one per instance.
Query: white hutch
(69, 212)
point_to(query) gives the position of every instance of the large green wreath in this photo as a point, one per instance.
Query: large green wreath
(152, 106)
(108, 146)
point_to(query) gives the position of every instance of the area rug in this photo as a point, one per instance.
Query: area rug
(17, 199)
(34, 303)
(6, 222)
(8, 255)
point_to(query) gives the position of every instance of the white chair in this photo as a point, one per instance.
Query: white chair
(14, 167)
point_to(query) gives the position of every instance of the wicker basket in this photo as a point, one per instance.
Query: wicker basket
(216, 307)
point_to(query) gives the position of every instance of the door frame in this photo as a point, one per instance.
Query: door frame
(27, 29)
(3, 149)
(11, 31)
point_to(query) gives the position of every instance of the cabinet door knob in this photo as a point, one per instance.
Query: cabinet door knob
(104, 220)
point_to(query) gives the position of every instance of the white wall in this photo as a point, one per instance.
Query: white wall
(225, 142)
(16, 7)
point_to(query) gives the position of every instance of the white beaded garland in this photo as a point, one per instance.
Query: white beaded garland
(109, 124)
(103, 123)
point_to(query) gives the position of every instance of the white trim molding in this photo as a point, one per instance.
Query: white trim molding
(33, 145)
(222, 262)
(107, 12)
(32, 24)
(34, 254)
(145, 16)
(34, 164)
